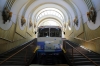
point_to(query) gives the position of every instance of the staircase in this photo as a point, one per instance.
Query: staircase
(80, 60)
(47, 60)
(19, 59)
(50, 59)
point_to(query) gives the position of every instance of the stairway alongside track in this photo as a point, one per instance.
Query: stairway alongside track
(19, 59)
(79, 60)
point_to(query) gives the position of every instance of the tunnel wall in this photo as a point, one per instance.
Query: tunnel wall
(85, 36)
(11, 35)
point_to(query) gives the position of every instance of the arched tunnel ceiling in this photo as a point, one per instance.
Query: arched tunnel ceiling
(39, 3)
(33, 6)
(70, 9)
(64, 7)
(48, 22)
(49, 6)
(49, 11)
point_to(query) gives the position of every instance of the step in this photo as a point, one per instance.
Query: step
(84, 62)
(13, 63)
(93, 56)
(84, 65)
(84, 59)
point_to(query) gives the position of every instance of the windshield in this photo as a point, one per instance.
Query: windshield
(49, 32)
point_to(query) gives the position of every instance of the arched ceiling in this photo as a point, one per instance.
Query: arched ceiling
(31, 9)
(44, 4)
(49, 22)
(71, 9)
(50, 11)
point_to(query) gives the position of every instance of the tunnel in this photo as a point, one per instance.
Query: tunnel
(78, 27)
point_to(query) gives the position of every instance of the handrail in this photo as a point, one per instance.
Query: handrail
(79, 39)
(83, 55)
(14, 54)
(93, 39)
(87, 40)
(14, 41)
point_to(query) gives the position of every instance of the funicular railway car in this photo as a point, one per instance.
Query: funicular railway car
(49, 47)
(49, 39)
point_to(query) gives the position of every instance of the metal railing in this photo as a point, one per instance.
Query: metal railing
(73, 48)
(27, 47)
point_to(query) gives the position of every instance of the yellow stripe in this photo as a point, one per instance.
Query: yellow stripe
(35, 49)
(64, 50)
